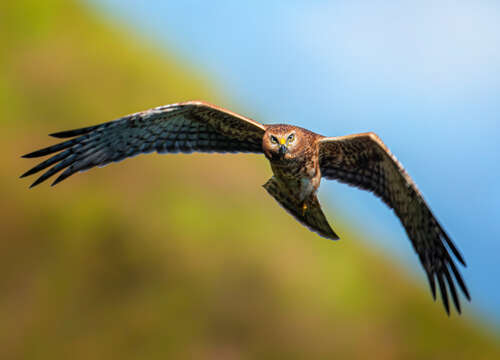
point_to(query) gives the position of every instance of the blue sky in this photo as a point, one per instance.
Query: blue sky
(424, 76)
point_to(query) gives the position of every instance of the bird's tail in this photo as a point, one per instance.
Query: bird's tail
(309, 215)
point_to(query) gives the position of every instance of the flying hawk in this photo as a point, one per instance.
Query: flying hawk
(299, 159)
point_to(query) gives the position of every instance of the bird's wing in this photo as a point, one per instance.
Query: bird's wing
(313, 217)
(362, 160)
(183, 127)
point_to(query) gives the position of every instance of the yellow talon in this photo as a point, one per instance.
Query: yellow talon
(304, 209)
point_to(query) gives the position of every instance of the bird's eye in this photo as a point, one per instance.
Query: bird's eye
(291, 137)
(274, 140)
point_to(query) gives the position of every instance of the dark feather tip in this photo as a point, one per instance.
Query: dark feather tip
(30, 155)
(38, 181)
(60, 134)
(432, 285)
(60, 178)
(75, 132)
(460, 258)
(27, 173)
(460, 281)
(444, 292)
(333, 236)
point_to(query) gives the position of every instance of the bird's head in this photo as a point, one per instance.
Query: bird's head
(280, 142)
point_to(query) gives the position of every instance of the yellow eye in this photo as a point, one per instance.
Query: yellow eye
(291, 137)
(274, 140)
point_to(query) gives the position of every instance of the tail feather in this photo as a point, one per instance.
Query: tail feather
(313, 217)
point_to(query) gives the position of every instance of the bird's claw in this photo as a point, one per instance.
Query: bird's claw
(304, 208)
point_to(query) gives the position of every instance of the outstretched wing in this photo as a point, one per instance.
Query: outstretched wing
(183, 127)
(364, 161)
(313, 217)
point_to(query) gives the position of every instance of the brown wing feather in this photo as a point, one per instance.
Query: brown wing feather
(313, 218)
(184, 127)
(364, 161)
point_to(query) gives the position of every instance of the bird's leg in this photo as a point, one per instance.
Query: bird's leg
(304, 208)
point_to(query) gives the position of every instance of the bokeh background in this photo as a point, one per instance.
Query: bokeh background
(186, 256)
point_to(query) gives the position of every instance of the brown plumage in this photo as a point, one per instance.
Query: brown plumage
(299, 159)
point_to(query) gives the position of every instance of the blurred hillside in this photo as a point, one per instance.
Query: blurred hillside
(180, 256)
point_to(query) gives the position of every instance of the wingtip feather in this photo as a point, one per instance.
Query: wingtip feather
(38, 181)
(432, 284)
(75, 132)
(61, 177)
(31, 155)
(444, 293)
(59, 134)
(453, 291)
(460, 280)
(27, 173)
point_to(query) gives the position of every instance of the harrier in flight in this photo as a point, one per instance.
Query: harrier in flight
(299, 159)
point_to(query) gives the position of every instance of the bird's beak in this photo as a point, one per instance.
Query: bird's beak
(283, 148)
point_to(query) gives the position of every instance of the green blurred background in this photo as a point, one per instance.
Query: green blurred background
(180, 256)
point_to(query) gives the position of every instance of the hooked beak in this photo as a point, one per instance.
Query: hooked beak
(282, 150)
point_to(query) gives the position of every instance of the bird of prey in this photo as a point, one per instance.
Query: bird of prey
(298, 157)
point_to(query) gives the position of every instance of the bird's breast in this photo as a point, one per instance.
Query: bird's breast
(289, 168)
(299, 174)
